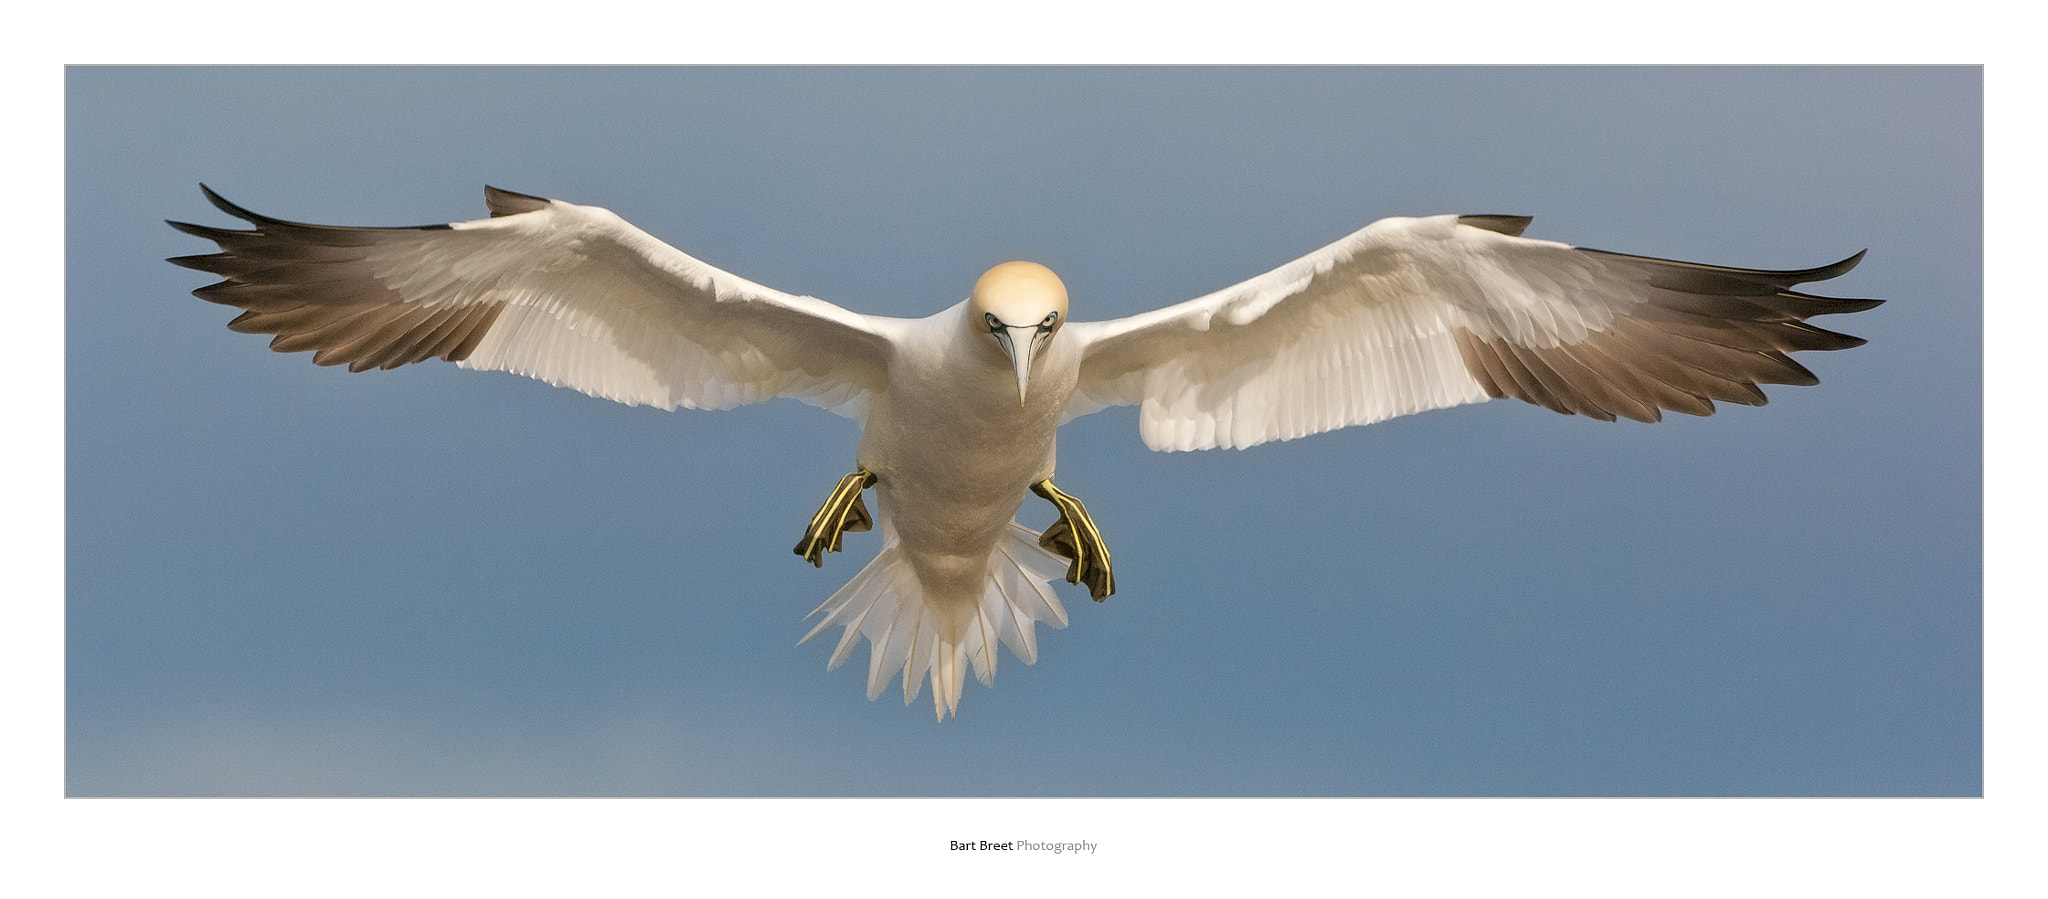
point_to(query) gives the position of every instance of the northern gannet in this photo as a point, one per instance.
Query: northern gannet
(959, 410)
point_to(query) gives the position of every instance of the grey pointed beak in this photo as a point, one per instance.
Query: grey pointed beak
(1019, 352)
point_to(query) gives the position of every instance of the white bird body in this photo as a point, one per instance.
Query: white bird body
(953, 451)
(954, 454)
(960, 410)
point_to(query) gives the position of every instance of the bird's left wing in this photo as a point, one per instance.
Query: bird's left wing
(1413, 314)
(572, 295)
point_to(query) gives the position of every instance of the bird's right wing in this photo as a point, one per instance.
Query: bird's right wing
(572, 295)
(1412, 314)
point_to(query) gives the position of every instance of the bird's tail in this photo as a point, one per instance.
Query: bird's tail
(886, 603)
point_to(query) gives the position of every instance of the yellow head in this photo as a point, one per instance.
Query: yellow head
(1021, 305)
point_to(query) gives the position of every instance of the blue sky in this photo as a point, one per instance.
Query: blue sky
(289, 580)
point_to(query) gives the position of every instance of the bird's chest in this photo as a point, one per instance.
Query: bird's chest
(952, 423)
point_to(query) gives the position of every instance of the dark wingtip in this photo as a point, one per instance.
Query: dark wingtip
(223, 205)
(1510, 225)
(222, 292)
(504, 202)
(205, 231)
(203, 263)
(1841, 305)
(1836, 270)
(267, 223)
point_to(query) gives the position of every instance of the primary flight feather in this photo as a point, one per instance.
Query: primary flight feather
(959, 410)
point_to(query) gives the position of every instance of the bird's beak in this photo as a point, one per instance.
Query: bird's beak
(1019, 352)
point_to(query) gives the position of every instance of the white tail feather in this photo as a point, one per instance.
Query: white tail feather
(907, 635)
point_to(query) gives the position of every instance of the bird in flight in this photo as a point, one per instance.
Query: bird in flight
(959, 410)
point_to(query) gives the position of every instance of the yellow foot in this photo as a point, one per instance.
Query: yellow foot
(1076, 537)
(843, 512)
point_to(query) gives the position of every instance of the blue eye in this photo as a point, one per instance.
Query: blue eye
(994, 324)
(1051, 318)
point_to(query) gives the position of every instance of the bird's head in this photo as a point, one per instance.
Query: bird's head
(1021, 305)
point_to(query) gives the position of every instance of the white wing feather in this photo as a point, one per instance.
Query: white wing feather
(1408, 314)
(571, 295)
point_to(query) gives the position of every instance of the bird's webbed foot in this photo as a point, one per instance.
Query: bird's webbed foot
(1076, 537)
(843, 511)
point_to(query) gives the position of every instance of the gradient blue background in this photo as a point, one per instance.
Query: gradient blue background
(286, 579)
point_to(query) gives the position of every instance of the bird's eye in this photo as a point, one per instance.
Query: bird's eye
(994, 324)
(1051, 318)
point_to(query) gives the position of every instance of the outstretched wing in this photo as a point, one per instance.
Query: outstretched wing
(1413, 314)
(572, 295)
